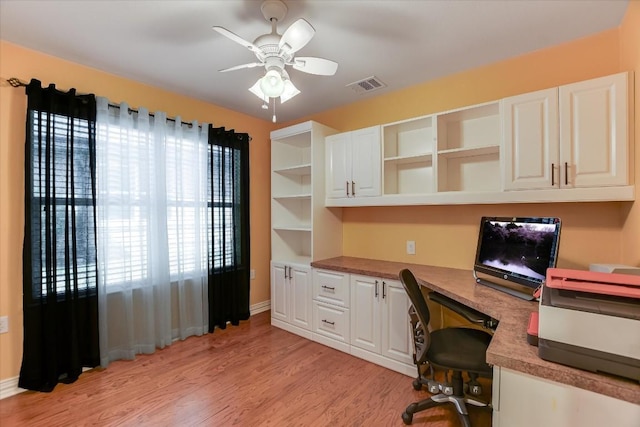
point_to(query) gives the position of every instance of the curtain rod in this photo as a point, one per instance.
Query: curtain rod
(15, 82)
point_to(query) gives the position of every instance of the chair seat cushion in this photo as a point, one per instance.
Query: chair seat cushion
(460, 349)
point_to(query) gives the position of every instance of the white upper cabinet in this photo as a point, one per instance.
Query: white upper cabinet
(353, 163)
(593, 132)
(530, 131)
(574, 136)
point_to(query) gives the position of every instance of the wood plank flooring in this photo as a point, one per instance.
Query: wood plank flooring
(250, 375)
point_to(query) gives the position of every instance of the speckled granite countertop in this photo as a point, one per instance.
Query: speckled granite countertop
(509, 347)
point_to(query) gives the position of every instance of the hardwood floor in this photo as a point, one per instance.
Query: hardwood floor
(250, 375)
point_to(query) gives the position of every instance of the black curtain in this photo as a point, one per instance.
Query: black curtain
(228, 221)
(60, 296)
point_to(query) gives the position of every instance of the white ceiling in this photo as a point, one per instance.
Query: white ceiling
(170, 44)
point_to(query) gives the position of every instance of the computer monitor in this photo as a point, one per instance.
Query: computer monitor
(513, 253)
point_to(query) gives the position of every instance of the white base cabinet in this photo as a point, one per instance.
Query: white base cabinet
(331, 300)
(291, 307)
(380, 329)
(523, 400)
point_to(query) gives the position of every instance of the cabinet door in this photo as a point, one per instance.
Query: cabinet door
(365, 312)
(279, 292)
(555, 404)
(338, 165)
(593, 132)
(366, 162)
(300, 293)
(396, 332)
(530, 135)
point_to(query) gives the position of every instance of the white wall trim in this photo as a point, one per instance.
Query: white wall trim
(260, 307)
(9, 387)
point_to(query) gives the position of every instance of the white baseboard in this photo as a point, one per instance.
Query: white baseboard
(260, 307)
(9, 387)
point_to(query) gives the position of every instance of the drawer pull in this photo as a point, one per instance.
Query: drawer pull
(329, 288)
(328, 322)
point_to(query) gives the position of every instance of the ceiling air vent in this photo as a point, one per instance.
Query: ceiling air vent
(367, 85)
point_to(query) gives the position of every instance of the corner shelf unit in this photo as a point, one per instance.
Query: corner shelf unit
(297, 196)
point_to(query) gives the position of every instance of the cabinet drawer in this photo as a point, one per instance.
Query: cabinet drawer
(330, 321)
(331, 287)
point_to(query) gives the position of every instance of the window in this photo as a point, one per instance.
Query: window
(61, 206)
(224, 201)
(152, 206)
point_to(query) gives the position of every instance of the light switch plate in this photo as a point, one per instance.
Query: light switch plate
(411, 247)
(4, 324)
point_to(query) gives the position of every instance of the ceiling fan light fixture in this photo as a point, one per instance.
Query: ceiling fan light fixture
(289, 91)
(272, 84)
(255, 89)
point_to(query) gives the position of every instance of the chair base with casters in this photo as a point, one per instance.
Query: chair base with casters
(449, 350)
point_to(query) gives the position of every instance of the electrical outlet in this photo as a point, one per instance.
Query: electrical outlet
(411, 247)
(4, 324)
(252, 274)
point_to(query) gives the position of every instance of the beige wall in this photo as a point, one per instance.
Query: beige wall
(446, 235)
(26, 64)
(630, 60)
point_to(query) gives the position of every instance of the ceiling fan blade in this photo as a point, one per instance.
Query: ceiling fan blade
(296, 36)
(236, 38)
(311, 65)
(239, 67)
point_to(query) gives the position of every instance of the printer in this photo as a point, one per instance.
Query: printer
(591, 320)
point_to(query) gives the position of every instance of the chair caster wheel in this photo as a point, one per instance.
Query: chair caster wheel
(417, 385)
(407, 418)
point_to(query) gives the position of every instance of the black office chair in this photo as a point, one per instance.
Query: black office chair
(450, 350)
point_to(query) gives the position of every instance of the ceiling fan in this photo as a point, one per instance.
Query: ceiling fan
(274, 52)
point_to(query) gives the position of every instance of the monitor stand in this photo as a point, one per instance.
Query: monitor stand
(506, 289)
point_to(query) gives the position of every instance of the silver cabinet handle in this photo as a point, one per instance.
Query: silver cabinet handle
(290, 277)
(353, 188)
(384, 291)
(347, 182)
(285, 272)
(376, 289)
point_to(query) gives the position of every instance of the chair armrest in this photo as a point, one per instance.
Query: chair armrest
(474, 316)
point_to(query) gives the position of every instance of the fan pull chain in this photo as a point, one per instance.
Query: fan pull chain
(274, 110)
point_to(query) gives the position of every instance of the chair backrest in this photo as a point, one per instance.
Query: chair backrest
(420, 331)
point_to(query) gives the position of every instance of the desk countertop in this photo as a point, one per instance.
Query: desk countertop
(509, 347)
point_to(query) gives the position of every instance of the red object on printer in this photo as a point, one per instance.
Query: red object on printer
(532, 329)
(621, 285)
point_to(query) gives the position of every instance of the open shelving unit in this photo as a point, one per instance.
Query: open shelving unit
(468, 155)
(408, 156)
(297, 195)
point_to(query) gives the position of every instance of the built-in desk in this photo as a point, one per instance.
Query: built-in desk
(509, 348)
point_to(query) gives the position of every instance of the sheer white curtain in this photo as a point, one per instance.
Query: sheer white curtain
(151, 230)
